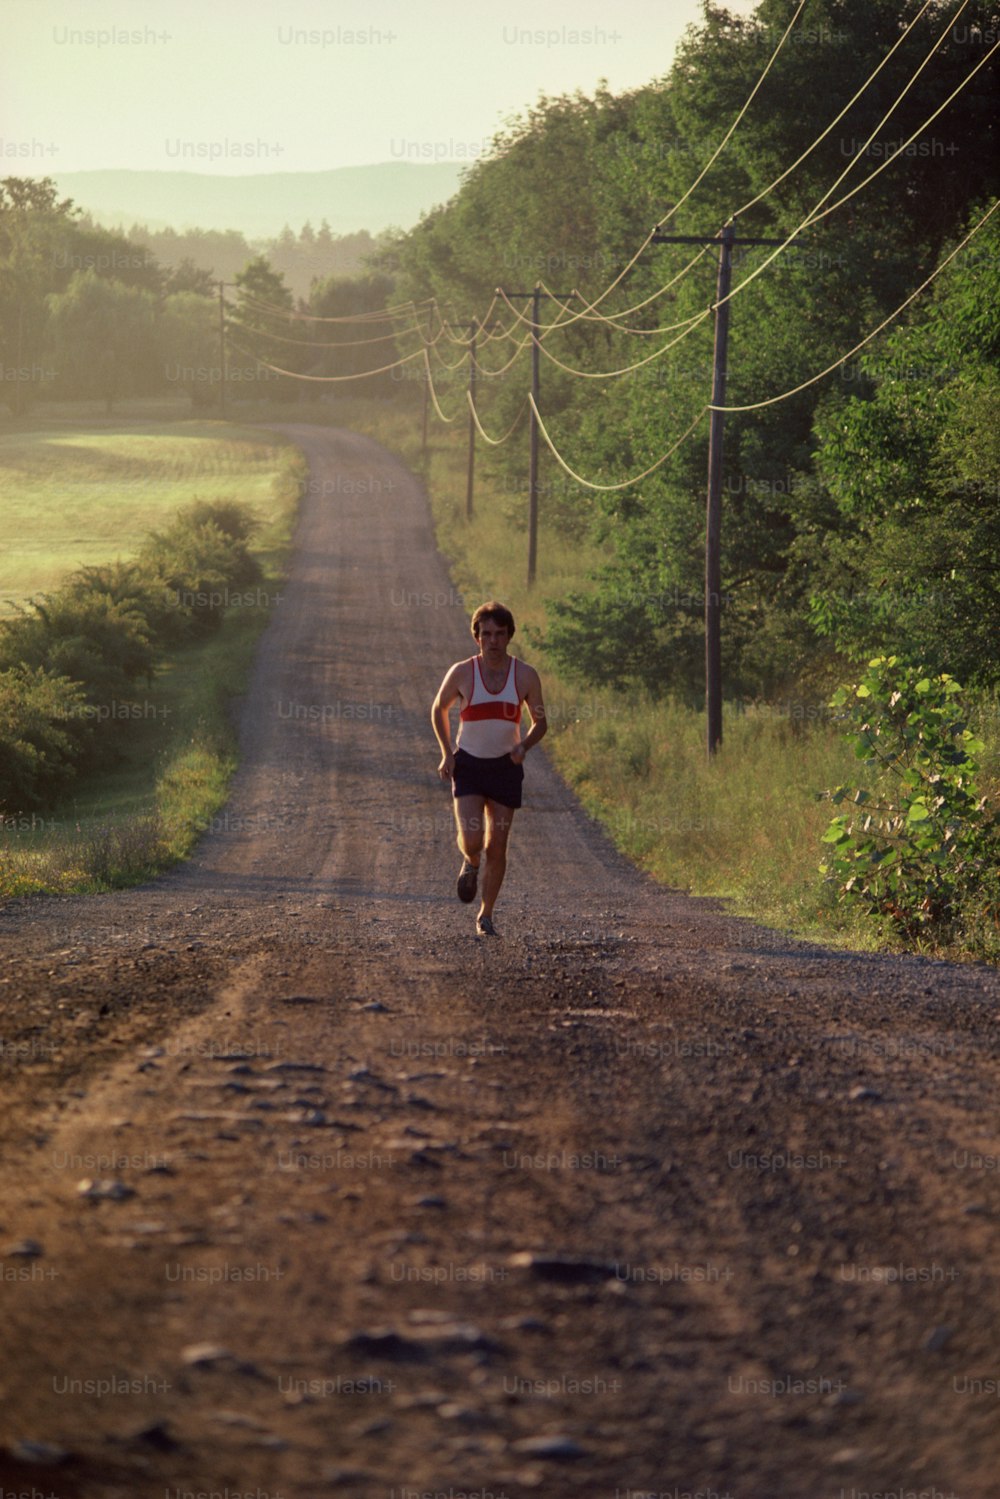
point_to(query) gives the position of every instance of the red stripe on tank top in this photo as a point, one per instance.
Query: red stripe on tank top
(504, 710)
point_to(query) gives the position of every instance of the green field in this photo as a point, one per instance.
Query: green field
(82, 495)
(81, 489)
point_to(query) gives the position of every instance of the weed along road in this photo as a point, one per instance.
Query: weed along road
(306, 1191)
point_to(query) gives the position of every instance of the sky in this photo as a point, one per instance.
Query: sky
(248, 86)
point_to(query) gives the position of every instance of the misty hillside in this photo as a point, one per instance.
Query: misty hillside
(349, 198)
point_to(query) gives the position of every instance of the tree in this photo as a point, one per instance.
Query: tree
(343, 348)
(32, 221)
(189, 346)
(912, 560)
(568, 194)
(188, 277)
(44, 245)
(262, 330)
(103, 338)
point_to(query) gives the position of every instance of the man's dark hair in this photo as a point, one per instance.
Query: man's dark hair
(498, 613)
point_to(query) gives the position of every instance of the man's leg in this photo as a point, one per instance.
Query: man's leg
(498, 820)
(470, 823)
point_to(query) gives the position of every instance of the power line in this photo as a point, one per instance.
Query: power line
(290, 315)
(837, 118)
(331, 379)
(463, 338)
(312, 317)
(626, 483)
(589, 308)
(751, 406)
(712, 159)
(539, 332)
(773, 400)
(498, 331)
(689, 325)
(589, 311)
(814, 215)
(908, 142)
(430, 386)
(320, 343)
(444, 363)
(610, 319)
(719, 148)
(496, 442)
(495, 374)
(683, 199)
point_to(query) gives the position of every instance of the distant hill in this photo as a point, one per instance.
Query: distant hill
(389, 194)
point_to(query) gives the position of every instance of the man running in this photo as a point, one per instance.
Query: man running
(486, 767)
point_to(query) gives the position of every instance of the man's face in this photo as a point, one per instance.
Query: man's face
(493, 637)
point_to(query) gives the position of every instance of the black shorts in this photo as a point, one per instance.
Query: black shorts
(498, 780)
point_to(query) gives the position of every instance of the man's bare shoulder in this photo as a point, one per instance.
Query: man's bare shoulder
(461, 670)
(527, 677)
(457, 680)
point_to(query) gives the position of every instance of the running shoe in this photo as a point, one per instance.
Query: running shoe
(468, 879)
(485, 927)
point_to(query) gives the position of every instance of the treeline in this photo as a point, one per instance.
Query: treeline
(860, 515)
(89, 313)
(71, 661)
(311, 255)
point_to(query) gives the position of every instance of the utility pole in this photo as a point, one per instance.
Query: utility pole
(713, 507)
(18, 395)
(222, 350)
(726, 239)
(536, 296)
(470, 474)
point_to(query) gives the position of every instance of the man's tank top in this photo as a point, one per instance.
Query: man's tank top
(490, 722)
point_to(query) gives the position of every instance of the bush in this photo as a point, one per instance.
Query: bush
(920, 850)
(130, 584)
(199, 561)
(233, 519)
(69, 660)
(36, 752)
(102, 645)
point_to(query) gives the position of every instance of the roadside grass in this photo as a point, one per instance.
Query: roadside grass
(168, 775)
(745, 827)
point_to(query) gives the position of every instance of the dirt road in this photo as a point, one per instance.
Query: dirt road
(638, 1199)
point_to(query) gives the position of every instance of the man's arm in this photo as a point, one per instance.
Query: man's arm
(536, 708)
(451, 691)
